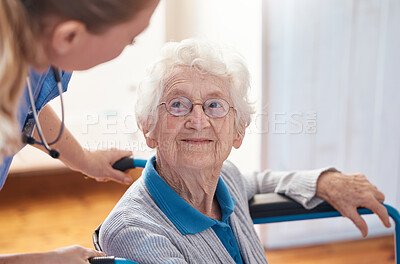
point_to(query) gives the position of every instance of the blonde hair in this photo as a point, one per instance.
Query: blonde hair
(206, 58)
(21, 21)
(14, 57)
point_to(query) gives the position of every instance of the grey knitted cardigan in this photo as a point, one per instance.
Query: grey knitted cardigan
(137, 229)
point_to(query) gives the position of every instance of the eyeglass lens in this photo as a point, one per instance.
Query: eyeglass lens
(181, 106)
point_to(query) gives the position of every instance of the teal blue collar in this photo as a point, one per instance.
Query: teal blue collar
(184, 216)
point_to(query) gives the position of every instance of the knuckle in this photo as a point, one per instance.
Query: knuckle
(360, 177)
(77, 248)
(382, 210)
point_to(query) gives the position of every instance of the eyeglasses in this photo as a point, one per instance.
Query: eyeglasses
(181, 106)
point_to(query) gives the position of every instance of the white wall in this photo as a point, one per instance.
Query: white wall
(332, 65)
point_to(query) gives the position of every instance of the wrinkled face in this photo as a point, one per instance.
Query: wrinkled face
(194, 140)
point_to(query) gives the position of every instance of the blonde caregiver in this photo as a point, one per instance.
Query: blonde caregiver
(41, 42)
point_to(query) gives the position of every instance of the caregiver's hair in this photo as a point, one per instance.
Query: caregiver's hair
(206, 58)
(22, 24)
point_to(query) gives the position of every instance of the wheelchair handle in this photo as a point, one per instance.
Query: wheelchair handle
(110, 260)
(129, 163)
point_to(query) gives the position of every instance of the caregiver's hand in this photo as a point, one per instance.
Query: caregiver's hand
(72, 255)
(66, 255)
(346, 192)
(98, 165)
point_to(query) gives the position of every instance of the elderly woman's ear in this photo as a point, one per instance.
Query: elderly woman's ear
(150, 141)
(237, 140)
(149, 136)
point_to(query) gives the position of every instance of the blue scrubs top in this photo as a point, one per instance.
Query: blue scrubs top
(44, 89)
(186, 218)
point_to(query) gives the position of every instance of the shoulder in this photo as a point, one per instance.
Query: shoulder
(136, 226)
(230, 172)
(229, 169)
(233, 178)
(135, 215)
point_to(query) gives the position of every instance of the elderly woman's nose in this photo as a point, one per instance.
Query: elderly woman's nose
(197, 118)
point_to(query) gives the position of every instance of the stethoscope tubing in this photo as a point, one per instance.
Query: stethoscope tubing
(43, 140)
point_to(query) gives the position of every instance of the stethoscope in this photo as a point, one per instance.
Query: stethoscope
(43, 142)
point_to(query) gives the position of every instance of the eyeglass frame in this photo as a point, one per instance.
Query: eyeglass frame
(193, 104)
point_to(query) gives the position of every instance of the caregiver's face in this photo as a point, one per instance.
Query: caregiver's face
(195, 140)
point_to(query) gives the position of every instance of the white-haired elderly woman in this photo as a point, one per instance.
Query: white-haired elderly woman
(191, 205)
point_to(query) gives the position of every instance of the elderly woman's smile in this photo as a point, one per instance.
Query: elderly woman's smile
(197, 141)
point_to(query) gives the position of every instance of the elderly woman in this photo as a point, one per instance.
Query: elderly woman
(191, 205)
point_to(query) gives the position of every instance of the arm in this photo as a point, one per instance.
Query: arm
(67, 255)
(95, 164)
(344, 192)
(142, 246)
(298, 185)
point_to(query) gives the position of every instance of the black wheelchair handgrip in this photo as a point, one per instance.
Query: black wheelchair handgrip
(111, 260)
(102, 260)
(124, 164)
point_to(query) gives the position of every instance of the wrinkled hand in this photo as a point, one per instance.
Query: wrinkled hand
(98, 165)
(346, 192)
(71, 255)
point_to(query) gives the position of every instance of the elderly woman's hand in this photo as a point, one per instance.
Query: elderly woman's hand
(346, 192)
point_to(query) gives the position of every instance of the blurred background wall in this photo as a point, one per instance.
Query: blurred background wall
(331, 69)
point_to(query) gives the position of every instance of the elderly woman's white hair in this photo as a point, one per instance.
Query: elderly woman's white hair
(207, 59)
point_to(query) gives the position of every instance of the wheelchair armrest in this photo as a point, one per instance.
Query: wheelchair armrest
(275, 204)
(274, 207)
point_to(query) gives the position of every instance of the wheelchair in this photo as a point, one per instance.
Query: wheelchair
(264, 209)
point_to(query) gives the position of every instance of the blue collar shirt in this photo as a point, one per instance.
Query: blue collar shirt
(186, 218)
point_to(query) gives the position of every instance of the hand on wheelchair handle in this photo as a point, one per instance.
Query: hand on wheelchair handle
(110, 260)
(347, 192)
(98, 165)
(124, 164)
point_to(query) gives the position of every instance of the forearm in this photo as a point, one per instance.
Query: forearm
(66, 255)
(95, 164)
(299, 185)
(26, 258)
(71, 152)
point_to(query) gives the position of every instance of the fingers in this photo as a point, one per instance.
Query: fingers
(116, 175)
(104, 171)
(119, 154)
(379, 196)
(91, 253)
(120, 177)
(102, 179)
(358, 221)
(381, 211)
(73, 255)
(348, 192)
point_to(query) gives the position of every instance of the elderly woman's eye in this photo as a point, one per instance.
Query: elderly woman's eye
(214, 105)
(176, 104)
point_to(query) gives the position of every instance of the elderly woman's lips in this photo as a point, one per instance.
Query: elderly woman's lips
(197, 140)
